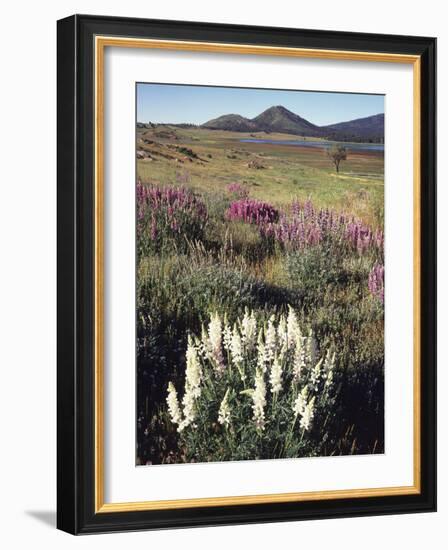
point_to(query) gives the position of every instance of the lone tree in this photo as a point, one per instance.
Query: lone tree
(336, 153)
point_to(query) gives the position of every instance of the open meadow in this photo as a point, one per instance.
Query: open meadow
(260, 290)
(284, 171)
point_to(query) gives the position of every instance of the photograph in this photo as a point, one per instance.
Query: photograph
(246, 266)
(260, 274)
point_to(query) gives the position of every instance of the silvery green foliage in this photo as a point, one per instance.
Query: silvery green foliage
(256, 389)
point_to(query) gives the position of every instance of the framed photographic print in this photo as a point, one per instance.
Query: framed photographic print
(246, 274)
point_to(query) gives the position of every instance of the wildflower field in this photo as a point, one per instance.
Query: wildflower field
(260, 299)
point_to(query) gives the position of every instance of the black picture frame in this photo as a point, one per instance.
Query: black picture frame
(76, 264)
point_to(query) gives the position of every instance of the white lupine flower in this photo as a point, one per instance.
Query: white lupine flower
(316, 373)
(189, 405)
(308, 415)
(227, 336)
(299, 357)
(271, 340)
(282, 335)
(259, 400)
(329, 380)
(173, 405)
(193, 371)
(328, 368)
(249, 330)
(236, 348)
(224, 410)
(300, 402)
(294, 332)
(276, 376)
(214, 331)
(215, 340)
(261, 352)
(193, 377)
(329, 361)
(278, 348)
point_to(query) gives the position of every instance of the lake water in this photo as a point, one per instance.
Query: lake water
(319, 144)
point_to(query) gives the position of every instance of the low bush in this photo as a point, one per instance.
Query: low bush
(167, 217)
(305, 226)
(252, 211)
(376, 282)
(237, 190)
(255, 390)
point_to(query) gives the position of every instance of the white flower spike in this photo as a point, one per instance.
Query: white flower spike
(224, 410)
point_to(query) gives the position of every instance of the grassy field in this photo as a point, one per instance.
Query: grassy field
(288, 171)
(232, 233)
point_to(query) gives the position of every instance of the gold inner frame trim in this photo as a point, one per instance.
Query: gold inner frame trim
(101, 42)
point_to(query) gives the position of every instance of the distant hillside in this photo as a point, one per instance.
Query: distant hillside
(274, 119)
(370, 128)
(234, 123)
(280, 119)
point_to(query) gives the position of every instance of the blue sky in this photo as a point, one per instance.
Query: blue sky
(197, 104)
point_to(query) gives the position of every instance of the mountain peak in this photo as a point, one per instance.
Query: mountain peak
(280, 119)
(232, 122)
(366, 128)
(277, 109)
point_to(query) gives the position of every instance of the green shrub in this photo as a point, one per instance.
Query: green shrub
(257, 390)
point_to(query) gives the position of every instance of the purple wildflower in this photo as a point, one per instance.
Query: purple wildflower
(252, 211)
(308, 226)
(238, 190)
(167, 212)
(376, 282)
